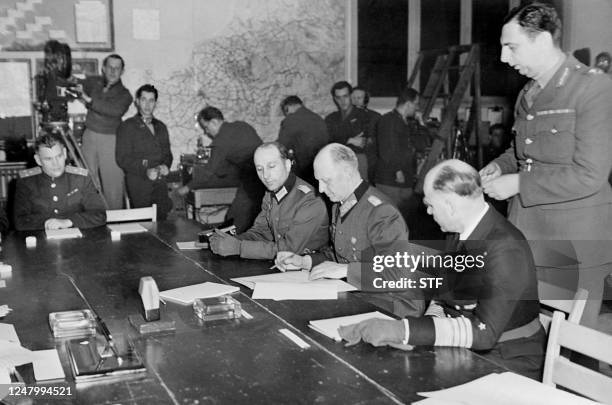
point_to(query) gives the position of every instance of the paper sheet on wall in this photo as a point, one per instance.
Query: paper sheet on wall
(91, 22)
(15, 85)
(145, 24)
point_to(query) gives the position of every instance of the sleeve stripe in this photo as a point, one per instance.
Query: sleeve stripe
(456, 332)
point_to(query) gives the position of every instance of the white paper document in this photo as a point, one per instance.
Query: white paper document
(506, 389)
(127, 228)
(294, 291)
(189, 245)
(66, 233)
(12, 355)
(329, 327)
(47, 365)
(186, 295)
(291, 277)
(7, 332)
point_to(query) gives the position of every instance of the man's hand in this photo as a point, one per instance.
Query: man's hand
(286, 261)
(502, 187)
(55, 223)
(357, 140)
(328, 270)
(399, 177)
(489, 172)
(224, 244)
(163, 170)
(378, 332)
(183, 191)
(153, 173)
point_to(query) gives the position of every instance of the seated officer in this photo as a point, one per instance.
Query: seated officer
(492, 308)
(364, 222)
(292, 218)
(56, 196)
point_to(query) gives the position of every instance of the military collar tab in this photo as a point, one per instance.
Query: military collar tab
(361, 189)
(286, 188)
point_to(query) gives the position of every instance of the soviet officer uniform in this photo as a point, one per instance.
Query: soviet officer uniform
(70, 196)
(292, 219)
(364, 225)
(562, 154)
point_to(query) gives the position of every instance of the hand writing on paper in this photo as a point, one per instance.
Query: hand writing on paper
(328, 270)
(378, 332)
(286, 261)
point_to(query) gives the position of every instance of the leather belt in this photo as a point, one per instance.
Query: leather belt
(524, 331)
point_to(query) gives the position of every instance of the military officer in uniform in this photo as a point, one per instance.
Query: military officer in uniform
(53, 195)
(493, 308)
(292, 218)
(364, 222)
(557, 172)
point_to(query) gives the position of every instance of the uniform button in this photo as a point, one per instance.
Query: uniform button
(553, 130)
(53, 185)
(278, 236)
(457, 307)
(55, 211)
(54, 198)
(339, 232)
(339, 249)
(529, 161)
(529, 117)
(528, 141)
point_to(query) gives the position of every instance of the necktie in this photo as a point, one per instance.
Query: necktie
(531, 94)
(452, 242)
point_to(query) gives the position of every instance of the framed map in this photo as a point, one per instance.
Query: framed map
(85, 25)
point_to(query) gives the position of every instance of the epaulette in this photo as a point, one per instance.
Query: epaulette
(76, 170)
(29, 172)
(375, 201)
(304, 188)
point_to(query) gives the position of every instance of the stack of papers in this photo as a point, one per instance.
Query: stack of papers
(293, 285)
(187, 295)
(502, 389)
(127, 228)
(66, 233)
(190, 245)
(329, 327)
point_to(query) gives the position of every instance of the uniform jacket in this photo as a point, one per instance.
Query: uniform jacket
(292, 219)
(107, 107)
(340, 130)
(71, 196)
(373, 226)
(565, 139)
(305, 133)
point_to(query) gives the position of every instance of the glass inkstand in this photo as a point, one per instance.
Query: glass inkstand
(223, 307)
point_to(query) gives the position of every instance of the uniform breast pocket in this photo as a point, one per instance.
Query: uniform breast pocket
(556, 138)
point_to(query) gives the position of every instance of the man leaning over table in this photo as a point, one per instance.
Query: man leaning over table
(363, 222)
(292, 218)
(53, 195)
(493, 309)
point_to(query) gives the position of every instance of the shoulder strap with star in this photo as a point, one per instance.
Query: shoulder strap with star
(77, 170)
(29, 172)
(375, 201)
(304, 188)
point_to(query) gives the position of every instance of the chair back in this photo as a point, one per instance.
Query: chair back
(560, 299)
(560, 370)
(132, 214)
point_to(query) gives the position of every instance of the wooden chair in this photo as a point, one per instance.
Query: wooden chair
(560, 370)
(561, 299)
(132, 214)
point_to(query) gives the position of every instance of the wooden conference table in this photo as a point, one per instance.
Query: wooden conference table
(230, 361)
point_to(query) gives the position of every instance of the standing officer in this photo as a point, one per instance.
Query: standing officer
(56, 196)
(143, 152)
(557, 172)
(292, 218)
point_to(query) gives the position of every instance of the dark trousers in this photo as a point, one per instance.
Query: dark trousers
(144, 193)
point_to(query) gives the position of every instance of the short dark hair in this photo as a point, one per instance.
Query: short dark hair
(339, 86)
(210, 113)
(495, 127)
(408, 94)
(48, 139)
(289, 101)
(603, 55)
(465, 183)
(366, 95)
(282, 149)
(149, 88)
(535, 18)
(114, 56)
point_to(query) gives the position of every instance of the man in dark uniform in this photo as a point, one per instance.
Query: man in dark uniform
(143, 152)
(303, 132)
(557, 171)
(349, 125)
(360, 99)
(56, 196)
(364, 222)
(230, 165)
(492, 308)
(292, 218)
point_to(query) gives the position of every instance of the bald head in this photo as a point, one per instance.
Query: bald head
(336, 169)
(454, 176)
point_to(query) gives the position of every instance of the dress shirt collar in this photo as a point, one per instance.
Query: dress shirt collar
(285, 188)
(471, 226)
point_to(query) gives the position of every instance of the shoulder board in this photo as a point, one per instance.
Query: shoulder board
(76, 170)
(304, 188)
(375, 201)
(29, 172)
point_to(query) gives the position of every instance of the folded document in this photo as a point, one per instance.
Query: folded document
(66, 233)
(188, 294)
